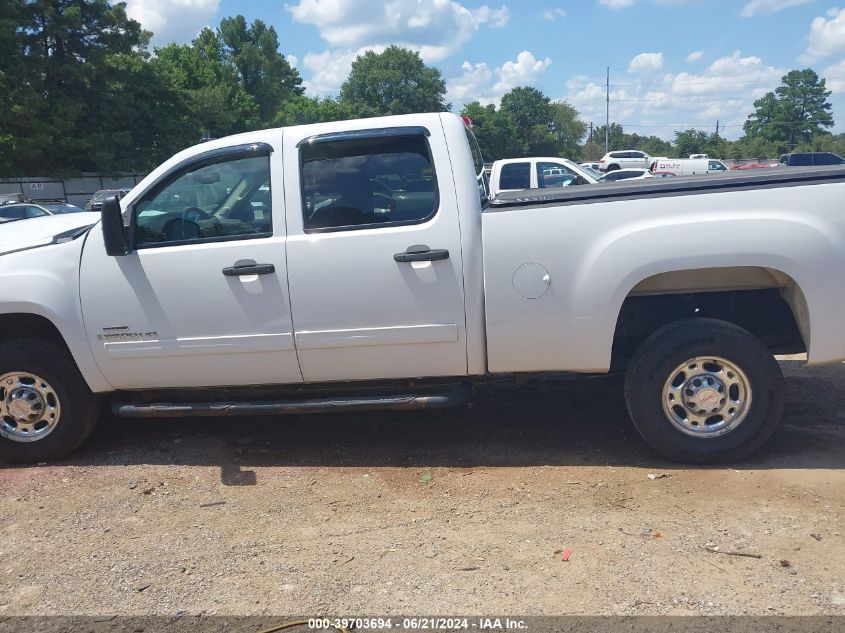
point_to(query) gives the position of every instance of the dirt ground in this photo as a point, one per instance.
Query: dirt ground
(439, 513)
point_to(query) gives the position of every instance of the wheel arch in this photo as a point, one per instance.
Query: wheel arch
(36, 325)
(765, 301)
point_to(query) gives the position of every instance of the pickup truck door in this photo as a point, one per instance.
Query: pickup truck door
(374, 253)
(202, 299)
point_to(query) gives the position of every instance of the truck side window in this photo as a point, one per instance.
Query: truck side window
(515, 176)
(555, 175)
(220, 200)
(367, 183)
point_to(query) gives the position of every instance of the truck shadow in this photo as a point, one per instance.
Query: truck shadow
(552, 420)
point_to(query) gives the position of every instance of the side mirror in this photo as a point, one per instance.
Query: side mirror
(114, 236)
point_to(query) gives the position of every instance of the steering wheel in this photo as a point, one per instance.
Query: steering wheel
(179, 229)
(195, 214)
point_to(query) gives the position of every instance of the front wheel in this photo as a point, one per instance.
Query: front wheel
(704, 391)
(46, 408)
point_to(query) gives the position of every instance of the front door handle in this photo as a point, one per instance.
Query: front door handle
(248, 267)
(421, 253)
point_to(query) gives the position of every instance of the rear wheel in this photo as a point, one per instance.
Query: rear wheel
(704, 391)
(612, 167)
(46, 408)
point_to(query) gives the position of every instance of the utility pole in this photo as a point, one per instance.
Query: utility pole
(591, 131)
(717, 127)
(607, 116)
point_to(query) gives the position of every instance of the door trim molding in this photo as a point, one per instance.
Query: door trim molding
(363, 337)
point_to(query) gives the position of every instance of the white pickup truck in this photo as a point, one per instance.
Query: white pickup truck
(359, 265)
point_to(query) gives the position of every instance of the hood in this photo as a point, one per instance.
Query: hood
(42, 231)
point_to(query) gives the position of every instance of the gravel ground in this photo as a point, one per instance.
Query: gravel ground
(464, 511)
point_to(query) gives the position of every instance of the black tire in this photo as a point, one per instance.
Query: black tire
(672, 345)
(611, 168)
(79, 408)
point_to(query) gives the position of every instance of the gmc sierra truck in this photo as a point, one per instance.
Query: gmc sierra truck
(360, 265)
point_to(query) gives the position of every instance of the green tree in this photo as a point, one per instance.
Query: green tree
(264, 72)
(493, 129)
(211, 100)
(71, 96)
(393, 82)
(567, 129)
(795, 112)
(301, 110)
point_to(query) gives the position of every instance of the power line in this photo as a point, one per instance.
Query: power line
(722, 125)
(719, 80)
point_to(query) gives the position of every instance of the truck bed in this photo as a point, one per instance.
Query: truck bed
(667, 187)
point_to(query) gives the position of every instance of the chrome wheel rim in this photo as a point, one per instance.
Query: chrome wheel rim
(29, 407)
(707, 396)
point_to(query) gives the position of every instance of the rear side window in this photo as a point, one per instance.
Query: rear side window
(367, 183)
(515, 176)
(826, 158)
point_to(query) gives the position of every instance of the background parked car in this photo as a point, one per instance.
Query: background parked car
(513, 174)
(626, 174)
(25, 210)
(808, 159)
(630, 158)
(21, 211)
(8, 198)
(96, 202)
(594, 165)
(56, 207)
(688, 166)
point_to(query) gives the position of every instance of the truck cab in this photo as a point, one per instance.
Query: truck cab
(515, 174)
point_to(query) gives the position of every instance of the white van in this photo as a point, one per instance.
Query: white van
(687, 166)
(513, 174)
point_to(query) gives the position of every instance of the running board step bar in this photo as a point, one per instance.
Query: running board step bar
(393, 402)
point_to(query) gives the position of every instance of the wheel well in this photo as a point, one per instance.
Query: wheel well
(774, 311)
(17, 326)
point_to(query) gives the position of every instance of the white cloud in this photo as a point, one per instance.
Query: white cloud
(768, 6)
(525, 71)
(479, 82)
(694, 56)
(835, 76)
(646, 62)
(666, 102)
(827, 36)
(434, 28)
(329, 69)
(553, 14)
(172, 20)
(473, 84)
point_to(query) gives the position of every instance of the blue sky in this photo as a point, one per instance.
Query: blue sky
(674, 63)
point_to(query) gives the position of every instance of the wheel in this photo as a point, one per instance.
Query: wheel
(46, 408)
(612, 168)
(704, 391)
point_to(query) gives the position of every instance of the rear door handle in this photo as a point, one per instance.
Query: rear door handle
(421, 253)
(248, 267)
